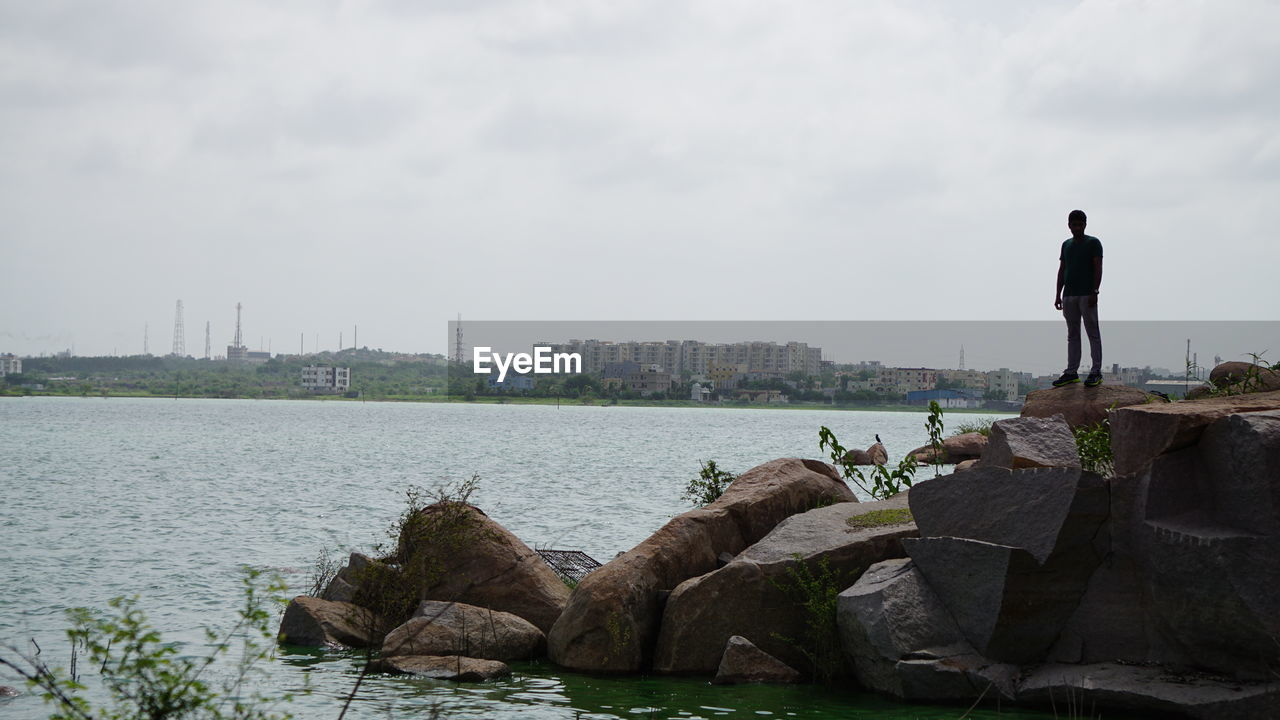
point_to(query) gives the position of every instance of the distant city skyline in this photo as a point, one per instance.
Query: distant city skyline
(393, 164)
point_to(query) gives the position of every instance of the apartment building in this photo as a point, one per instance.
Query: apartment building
(324, 378)
(10, 364)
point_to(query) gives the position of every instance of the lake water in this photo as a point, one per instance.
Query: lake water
(166, 499)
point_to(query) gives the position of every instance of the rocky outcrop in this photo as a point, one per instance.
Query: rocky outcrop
(1082, 405)
(345, 584)
(448, 667)
(1140, 434)
(441, 628)
(1029, 442)
(612, 619)
(453, 552)
(955, 449)
(878, 454)
(743, 662)
(1149, 690)
(324, 623)
(749, 596)
(902, 641)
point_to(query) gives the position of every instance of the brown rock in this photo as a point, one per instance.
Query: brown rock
(878, 454)
(1081, 405)
(324, 623)
(1248, 376)
(1141, 433)
(955, 449)
(461, 555)
(859, 457)
(743, 662)
(750, 596)
(448, 667)
(441, 628)
(965, 465)
(612, 618)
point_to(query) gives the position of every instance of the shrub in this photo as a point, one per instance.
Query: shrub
(709, 485)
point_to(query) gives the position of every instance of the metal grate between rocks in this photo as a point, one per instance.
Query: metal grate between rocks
(570, 565)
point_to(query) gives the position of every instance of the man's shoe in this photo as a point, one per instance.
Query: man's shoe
(1066, 379)
(1094, 380)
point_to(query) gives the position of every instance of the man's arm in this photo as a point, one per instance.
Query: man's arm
(1097, 280)
(1057, 296)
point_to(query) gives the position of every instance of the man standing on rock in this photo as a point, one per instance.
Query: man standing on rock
(1080, 276)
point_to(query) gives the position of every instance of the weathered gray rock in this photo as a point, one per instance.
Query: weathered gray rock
(323, 623)
(1148, 690)
(1141, 433)
(1008, 606)
(1081, 405)
(1028, 509)
(345, 584)
(889, 613)
(746, 597)
(743, 662)
(928, 677)
(440, 628)
(611, 622)
(448, 667)
(1243, 454)
(1029, 442)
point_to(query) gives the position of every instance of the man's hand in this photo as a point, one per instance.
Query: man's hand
(1057, 303)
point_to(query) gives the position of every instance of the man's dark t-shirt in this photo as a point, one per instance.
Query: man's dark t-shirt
(1077, 257)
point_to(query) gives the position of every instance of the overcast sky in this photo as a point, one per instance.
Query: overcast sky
(392, 163)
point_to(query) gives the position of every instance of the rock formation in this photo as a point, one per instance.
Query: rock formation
(441, 628)
(1081, 405)
(611, 622)
(743, 662)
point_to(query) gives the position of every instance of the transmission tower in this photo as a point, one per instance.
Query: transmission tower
(239, 341)
(179, 333)
(961, 357)
(207, 348)
(457, 340)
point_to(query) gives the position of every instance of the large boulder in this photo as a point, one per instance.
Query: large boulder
(1031, 442)
(453, 552)
(315, 622)
(1237, 376)
(879, 455)
(442, 628)
(345, 585)
(1149, 690)
(1010, 552)
(447, 667)
(753, 596)
(1141, 433)
(1039, 510)
(1205, 538)
(1082, 405)
(611, 621)
(743, 662)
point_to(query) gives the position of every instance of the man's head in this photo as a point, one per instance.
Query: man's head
(1076, 221)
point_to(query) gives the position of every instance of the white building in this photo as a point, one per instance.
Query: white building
(10, 364)
(323, 378)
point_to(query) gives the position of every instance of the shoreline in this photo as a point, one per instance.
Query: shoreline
(571, 402)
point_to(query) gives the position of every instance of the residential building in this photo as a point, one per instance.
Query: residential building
(726, 376)
(648, 381)
(894, 380)
(1004, 382)
(10, 364)
(970, 379)
(949, 398)
(615, 374)
(510, 383)
(326, 379)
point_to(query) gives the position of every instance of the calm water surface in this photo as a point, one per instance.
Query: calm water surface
(166, 499)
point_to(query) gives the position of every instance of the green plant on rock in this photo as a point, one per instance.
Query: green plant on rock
(1093, 442)
(880, 518)
(883, 482)
(814, 588)
(982, 427)
(709, 485)
(146, 678)
(934, 425)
